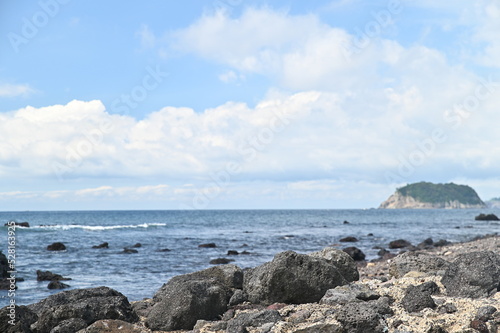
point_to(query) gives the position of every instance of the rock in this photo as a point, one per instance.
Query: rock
(89, 305)
(364, 317)
(474, 275)
(129, 251)
(441, 242)
(418, 262)
(419, 297)
(104, 245)
(137, 245)
(57, 285)
(23, 319)
(485, 313)
(340, 259)
(112, 326)
(479, 326)
(348, 294)
(245, 253)
(19, 224)
(355, 253)
(348, 239)
(69, 326)
(49, 276)
(239, 296)
(187, 298)
(399, 243)
(4, 266)
(291, 278)
(232, 253)
(242, 321)
(164, 250)
(220, 261)
(487, 217)
(347, 222)
(447, 308)
(207, 245)
(426, 244)
(58, 246)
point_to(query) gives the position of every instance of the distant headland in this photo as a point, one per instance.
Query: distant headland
(428, 195)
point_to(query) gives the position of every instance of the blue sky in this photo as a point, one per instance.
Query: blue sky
(244, 104)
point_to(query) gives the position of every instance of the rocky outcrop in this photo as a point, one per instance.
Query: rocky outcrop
(57, 246)
(473, 275)
(291, 278)
(74, 310)
(487, 217)
(49, 276)
(400, 201)
(417, 262)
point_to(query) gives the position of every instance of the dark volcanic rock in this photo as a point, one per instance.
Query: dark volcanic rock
(348, 239)
(49, 276)
(187, 298)
(348, 294)
(419, 262)
(419, 297)
(485, 313)
(69, 326)
(291, 278)
(57, 285)
(474, 275)
(19, 224)
(340, 259)
(232, 253)
(355, 253)
(487, 217)
(441, 242)
(129, 251)
(426, 244)
(364, 317)
(70, 307)
(23, 318)
(221, 261)
(58, 246)
(137, 245)
(240, 323)
(111, 326)
(207, 245)
(399, 243)
(4, 266)
(104, 245)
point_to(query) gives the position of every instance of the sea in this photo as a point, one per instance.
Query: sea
(170, 241)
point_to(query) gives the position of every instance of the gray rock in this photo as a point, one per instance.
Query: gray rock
(340, 259)
(111, 326)
(399, 243)
(240, 323)
(23, 319)
(57, 285)
(485, 313)
(70, 326)
(49, 276)
(291, 278)
(239, 296)
(349, 293)
(364, 317)
(87, 304)
(419, 297)
(447, 308)
(190, 297)
(4, 266)
(473, 275)
(419, 262)
(355, 253)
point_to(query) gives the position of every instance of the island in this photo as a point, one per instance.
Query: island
(425, 195)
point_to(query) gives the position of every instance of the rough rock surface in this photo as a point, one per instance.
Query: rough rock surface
(291, 278)
(418, 262)
(113, 326)
(474, 275)
(190, 297)
(23, 318)
(355, 253)
(419, 297)
(49, 276)
(340, 259)
(88, 305)
(349, 294)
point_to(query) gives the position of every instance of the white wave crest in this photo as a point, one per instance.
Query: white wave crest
(98, 227)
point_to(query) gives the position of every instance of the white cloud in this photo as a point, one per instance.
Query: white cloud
(14, 90)
(146, 36)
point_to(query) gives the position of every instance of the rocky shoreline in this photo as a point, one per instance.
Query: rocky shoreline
(451, 288)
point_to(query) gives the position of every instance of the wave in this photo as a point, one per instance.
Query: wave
(96, 227)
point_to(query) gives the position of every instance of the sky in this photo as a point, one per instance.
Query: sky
(245, 104)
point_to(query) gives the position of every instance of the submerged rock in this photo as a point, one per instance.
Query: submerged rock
(348, 239)
(57, 246)
(487, 217)
(104, 245)
(49, 276)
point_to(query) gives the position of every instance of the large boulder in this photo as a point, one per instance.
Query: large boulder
(419, 262)
(474, 275)
(20, 316)
(187, 298)
(67, 311)
(340, 259)
(292, 278)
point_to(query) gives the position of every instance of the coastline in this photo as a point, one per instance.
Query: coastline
(450, 313)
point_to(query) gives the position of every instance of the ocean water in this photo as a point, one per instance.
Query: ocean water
(262, 233)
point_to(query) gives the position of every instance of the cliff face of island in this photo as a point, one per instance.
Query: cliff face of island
(425, 195)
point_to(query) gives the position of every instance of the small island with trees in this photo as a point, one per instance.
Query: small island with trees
(430, 195)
